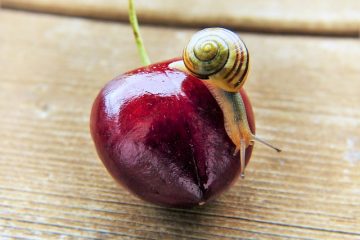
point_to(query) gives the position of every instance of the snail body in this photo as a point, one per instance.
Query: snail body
(220, 58)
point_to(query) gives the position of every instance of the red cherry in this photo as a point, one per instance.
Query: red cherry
(160, 133)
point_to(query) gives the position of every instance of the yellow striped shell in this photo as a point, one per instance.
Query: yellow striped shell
(219, 55)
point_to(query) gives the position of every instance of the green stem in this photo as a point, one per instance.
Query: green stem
(139, 42)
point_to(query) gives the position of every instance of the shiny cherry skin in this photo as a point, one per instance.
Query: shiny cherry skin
(160, 133)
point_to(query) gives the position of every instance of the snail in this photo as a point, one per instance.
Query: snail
(221, 59)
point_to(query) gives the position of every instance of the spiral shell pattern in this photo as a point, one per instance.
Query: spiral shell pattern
(220, 55)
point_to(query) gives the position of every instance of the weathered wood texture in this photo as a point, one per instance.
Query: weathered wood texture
(305, 92)
(306, 16)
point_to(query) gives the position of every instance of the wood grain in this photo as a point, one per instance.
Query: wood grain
(307, 16)
(305, 92)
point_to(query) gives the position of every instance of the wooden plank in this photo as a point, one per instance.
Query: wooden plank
(305, 93)
(308, 16)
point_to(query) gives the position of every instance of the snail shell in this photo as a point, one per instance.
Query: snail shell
(219, 55)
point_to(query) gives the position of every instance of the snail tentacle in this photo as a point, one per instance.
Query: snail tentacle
(242, 157)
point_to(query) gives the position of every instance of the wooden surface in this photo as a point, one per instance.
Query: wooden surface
(305, 93)
(340, 17)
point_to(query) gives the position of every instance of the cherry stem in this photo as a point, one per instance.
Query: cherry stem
(139, 42)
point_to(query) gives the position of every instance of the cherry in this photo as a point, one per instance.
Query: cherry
(160, 133)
